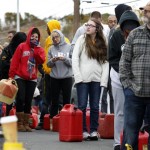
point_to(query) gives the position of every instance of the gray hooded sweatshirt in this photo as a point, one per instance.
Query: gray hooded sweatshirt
(60, 69)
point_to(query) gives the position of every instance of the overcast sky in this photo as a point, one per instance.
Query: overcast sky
(59, 8)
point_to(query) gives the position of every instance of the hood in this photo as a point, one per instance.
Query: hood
(62, 38)
(129, 18)
(53, 24)
(120, 9)
(29, 34)
(18, 38)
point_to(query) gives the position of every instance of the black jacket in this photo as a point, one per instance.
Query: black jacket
(5, 63)
(117, 40)
(8, 52)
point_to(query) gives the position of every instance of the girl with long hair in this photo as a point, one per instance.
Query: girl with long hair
(90, 68)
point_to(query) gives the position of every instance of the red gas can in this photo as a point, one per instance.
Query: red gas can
(106, 126)
(46, 124)
(3, 110)
(70, 124)
(35, 109)
(33, 120)
(12, 111)
(142, 140)
(55, 123)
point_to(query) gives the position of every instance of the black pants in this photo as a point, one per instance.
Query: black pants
(104, 98)
(64, 85)
(8, 108)
(24, 96)
(46, 97)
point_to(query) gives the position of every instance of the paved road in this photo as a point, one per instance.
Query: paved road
(48, 140)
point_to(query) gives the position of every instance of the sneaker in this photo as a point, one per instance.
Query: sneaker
(117, 147)
(39, 127)
(94, 136)
(86, 135)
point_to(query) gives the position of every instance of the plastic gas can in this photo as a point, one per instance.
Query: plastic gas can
(70, 124)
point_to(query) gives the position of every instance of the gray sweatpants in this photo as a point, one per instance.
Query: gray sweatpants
(119, 98)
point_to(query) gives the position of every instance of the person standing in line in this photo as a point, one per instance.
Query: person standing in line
(134, 72)
(45, 71)
(10, 35)
(127, 22)
(23, 69)
(82, 30)
(61, 71)
(90, 68)
(112, 21)
(6, 56)
(119, 10)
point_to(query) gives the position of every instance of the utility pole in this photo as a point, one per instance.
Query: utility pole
(18, 17)
(76, 19)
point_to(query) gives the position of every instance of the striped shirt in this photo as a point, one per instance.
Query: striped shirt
(134, 67)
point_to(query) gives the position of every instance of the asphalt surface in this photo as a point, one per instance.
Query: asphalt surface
(48, 140)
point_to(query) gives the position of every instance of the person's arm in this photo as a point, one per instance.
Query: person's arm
(76, 60)
(39, 55)
(114, 50)
(125, 62)
(51, 59)
(4, 64)
(105, 74)
(68, 61)
(40, 69)
(15, 62)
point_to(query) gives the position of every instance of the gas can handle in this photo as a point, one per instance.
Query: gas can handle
(75, 108)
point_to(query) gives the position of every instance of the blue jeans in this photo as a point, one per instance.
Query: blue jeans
(134, 110)
(91, 89)
(0, 109)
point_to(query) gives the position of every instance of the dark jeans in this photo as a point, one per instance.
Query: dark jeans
(24, 96)
(60, 85)
(91, 89)
(8, 108)
(134, 110)
(147, 116)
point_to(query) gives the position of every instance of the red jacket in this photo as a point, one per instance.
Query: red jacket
(19, 63)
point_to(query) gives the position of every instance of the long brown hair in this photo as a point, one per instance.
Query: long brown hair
(97, 49)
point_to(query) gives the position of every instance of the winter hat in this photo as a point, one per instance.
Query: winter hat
(120, 9)
(129, 20)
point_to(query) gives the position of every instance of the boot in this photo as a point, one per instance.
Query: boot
(39, 126)
(26, 122)
(20, 123)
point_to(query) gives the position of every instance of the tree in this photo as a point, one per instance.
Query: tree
(10, 19)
